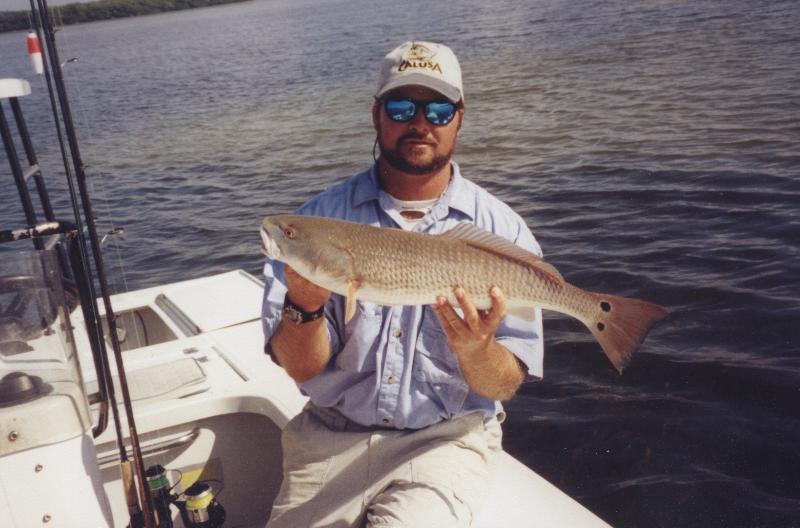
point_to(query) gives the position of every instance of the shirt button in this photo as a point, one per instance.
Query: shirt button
(391, 380)
(398, 332)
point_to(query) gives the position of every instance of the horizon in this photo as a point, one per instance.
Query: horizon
(25, 5)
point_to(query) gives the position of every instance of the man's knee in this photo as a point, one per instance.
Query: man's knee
(410, 504)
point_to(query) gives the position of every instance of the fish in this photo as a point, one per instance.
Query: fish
(389, 266)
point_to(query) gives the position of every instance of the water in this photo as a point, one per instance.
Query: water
(652, 146)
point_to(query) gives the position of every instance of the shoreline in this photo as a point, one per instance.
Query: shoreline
(80, 13)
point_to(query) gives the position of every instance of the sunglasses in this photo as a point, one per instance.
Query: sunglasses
(436, 112)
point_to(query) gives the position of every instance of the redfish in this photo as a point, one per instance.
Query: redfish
(395, 267)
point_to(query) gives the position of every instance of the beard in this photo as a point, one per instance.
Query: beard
(411, 165)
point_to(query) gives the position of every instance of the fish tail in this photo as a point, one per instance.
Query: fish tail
(621, 324)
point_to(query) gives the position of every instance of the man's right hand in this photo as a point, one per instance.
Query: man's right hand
(304, 293)
(303, 350)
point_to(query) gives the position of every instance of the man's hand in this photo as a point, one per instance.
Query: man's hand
(302, 349)
(303, 293)
(489, 368)
(475, 332)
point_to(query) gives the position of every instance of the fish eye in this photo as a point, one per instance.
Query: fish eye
(289, 232)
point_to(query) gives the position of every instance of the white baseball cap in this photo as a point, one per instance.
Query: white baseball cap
(428, 64)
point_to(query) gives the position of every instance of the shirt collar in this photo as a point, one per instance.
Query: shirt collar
(367, 186)
(458, 195)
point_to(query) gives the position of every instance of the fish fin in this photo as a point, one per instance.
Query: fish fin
(350, 301)
(621, 324)
(526, 313)
(482, 239)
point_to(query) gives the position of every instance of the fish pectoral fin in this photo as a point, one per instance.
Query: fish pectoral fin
(486, 241)
(350, 301)
(526, 313)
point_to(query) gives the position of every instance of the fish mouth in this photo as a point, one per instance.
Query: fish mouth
(268, 245)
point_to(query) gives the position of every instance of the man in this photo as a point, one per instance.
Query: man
(404, 415)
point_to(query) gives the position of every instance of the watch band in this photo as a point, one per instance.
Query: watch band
(297, 315)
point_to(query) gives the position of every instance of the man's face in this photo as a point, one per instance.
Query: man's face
(416, 146)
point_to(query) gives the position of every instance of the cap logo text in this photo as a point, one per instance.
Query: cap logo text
(419, 57)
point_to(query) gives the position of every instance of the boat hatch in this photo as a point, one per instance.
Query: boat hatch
(139, 328)
(219, 302)
(176, 379)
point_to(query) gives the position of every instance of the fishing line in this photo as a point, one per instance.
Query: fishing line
(100, 190)
(103, 193)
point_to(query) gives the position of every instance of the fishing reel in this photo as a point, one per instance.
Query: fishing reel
(198, 505)
(200, 508)
(158, 484)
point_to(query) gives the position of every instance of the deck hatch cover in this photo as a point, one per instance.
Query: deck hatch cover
(219, 302)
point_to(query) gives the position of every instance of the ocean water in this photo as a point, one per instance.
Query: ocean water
(653, 146)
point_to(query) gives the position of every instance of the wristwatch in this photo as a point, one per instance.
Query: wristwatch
(297, 315)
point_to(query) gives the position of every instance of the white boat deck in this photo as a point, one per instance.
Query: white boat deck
(208, 401)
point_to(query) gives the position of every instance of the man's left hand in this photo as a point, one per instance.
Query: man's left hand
(475, 332)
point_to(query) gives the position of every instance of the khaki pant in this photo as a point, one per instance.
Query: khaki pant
(339, 474)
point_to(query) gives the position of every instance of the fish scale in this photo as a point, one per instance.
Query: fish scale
(393, 267)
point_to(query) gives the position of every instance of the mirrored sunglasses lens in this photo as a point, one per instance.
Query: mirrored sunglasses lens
(440, 113)
(400, 109)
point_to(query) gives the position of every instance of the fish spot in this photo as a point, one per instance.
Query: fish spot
(605, 306)
(601, 326)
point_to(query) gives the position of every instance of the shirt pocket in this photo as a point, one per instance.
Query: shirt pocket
(436, 366)
(432, 343)
(362, 337)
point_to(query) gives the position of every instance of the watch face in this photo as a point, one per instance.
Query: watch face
(293, 314)
(296, 315)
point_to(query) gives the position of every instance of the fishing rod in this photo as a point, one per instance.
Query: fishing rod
(78, 254)
(141, 511)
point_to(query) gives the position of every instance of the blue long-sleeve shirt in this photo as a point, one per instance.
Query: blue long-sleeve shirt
(391, 366)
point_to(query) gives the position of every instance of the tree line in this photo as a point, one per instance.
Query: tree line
(102, 10)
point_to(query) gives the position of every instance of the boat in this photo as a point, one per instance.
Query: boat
(155, 407)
